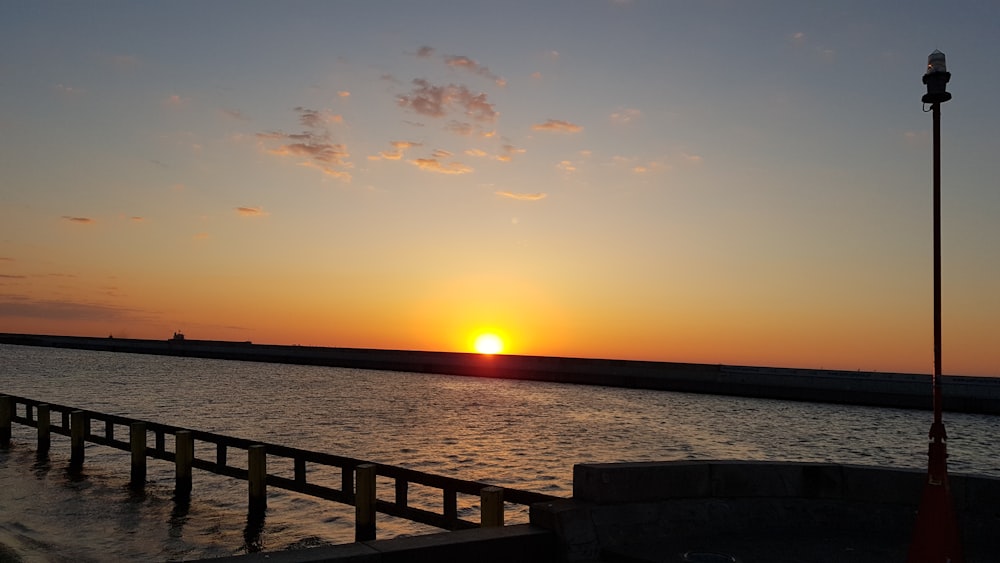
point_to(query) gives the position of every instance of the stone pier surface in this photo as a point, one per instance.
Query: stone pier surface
(749, 512)
(704, 512)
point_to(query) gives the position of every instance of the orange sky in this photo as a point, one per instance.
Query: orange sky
(711, 183)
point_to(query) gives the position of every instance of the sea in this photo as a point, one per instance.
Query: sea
(518, 434)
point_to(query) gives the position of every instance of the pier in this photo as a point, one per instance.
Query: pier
(266, 465)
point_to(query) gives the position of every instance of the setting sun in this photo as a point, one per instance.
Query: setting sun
(488, 344)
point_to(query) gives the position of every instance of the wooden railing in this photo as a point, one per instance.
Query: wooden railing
(357, 477)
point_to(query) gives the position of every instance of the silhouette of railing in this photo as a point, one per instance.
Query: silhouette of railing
(357, 483)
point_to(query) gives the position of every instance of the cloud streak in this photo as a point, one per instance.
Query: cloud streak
(440, 167)
(175, 101)
(398, 149)
(626, 115)
(79, 220)
(558, 126)
(65, 310)
(522, 196)
(234, 114)
(508, 153)
(252, 212)
(463, 63)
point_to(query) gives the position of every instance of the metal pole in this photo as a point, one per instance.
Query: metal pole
(936, 536)
(938, 453)
(936, 113)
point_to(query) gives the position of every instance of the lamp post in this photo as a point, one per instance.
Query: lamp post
(936, 538)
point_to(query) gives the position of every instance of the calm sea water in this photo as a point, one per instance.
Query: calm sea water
(520, 434)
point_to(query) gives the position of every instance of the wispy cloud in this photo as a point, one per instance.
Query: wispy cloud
(125, 61)
(799, 40)
(315, 146)
(436, 165)
(558, 125)
(437, 101)
(649, 167)
(6, 259)
(464, 63)
(566, 166)
(344, 94)
(13, 276)
(68, 90)
(522, 197)
(625, 115)
(252, 212)
(65, 310)
(176, 100)
(398, 149)
(315, 119)
(460, 127)
(508, 153)
(79, 220)
(137, 219)
(234, 114)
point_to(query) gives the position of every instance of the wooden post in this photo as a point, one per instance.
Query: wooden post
(491, 507)
(257, 476)
(6, 415)
(184, 455)
(347, 483)
(450, 506)
(137, 440)
(364, 503)
(300, 470)
(402, 492)
(44, 430)
(77, 434)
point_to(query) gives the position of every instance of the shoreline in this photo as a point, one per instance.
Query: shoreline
(978, 395)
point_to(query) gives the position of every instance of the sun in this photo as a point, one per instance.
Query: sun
(488, 344)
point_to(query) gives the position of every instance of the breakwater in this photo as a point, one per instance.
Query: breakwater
(897, 390)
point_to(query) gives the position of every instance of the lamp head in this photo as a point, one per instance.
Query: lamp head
(936, 78)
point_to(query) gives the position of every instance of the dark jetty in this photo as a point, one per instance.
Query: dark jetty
(897, 390)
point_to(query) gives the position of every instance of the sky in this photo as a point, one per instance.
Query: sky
(710, 181)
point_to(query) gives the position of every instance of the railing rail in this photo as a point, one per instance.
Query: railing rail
(83, 425)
